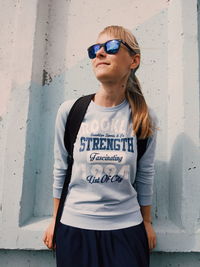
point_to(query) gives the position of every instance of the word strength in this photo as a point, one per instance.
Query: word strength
(99, 143)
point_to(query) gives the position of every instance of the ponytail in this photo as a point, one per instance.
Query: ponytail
(140, 113)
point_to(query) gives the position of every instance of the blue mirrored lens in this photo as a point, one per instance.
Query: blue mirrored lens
(93, 50)
(112, 47)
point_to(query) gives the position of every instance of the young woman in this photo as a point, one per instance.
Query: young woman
(106, 220)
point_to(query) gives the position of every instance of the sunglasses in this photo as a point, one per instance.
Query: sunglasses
(110, 47)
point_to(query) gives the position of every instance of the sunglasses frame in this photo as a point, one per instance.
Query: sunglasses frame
(104, 46)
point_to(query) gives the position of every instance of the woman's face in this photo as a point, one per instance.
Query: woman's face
(113, 68)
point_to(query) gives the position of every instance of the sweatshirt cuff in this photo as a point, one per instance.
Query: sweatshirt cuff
(57, 193)
(145, 200)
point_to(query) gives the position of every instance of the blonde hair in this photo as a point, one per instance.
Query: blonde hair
(140, 114)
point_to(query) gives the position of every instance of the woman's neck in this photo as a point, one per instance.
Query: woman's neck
(110, 95)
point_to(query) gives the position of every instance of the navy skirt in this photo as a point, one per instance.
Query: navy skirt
(126, 247)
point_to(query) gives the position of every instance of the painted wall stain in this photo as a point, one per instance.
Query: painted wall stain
(46, 78)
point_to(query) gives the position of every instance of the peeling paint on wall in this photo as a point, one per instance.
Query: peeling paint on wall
(46, 78)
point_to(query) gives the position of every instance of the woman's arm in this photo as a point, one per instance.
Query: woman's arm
(146, 214)
(56, 202)
(48, 234)
(144, 188)
(144, 184)
(59, 170)
(145, 169)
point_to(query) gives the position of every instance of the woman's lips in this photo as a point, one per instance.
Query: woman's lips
(102, 63)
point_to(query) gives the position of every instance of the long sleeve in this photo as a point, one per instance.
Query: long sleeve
(60, 153)
(145, 170)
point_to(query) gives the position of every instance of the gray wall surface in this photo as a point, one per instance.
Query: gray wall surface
(24, 258)
(43, 62)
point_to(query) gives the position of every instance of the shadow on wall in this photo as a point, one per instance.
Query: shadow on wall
(184, 184)
(177, 186)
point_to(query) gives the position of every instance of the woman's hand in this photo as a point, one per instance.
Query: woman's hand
(48, 235)
(150, 234)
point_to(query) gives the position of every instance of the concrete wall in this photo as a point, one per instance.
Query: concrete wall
(43, 62)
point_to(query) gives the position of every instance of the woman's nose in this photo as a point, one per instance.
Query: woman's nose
(101, 52)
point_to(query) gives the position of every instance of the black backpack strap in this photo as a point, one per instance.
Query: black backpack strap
(74, 119)
(141, 145)
(141, 148)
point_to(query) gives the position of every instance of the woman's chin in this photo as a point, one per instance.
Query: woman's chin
(104, 78)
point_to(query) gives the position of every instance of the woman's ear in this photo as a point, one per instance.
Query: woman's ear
(135, 61)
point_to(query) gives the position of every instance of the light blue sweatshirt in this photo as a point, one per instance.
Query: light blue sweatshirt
(101, 194)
